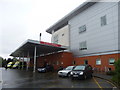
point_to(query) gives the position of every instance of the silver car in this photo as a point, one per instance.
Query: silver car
(66, 71)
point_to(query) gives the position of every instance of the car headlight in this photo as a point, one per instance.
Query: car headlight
(71, 73)
(81, 73)
(43, 69)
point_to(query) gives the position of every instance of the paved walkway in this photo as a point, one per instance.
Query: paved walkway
(102, 75)
(105, 77)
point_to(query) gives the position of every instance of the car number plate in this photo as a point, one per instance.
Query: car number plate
(75, 75)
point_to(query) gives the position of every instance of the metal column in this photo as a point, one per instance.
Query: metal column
(27, 62)
(34, 59)
(19, 61)
(23, 62)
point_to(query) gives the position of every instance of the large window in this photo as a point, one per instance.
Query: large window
(111, 61)
(82, 29)
(98, 62)
(55, 39)
(103, 20)
(83, 45)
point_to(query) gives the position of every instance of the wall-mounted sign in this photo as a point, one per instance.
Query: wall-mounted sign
(52, 44)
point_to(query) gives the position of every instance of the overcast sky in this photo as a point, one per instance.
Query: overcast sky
(25, 19)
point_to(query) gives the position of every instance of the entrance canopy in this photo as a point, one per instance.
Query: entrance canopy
(42, 48)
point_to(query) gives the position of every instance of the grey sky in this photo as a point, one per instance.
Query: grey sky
(25, 19)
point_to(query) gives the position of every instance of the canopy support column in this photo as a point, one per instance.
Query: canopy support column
(19, 61)
(27, 62)
(23, 62)
(34, 59)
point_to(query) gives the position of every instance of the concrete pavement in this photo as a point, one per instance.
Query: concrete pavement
(104, 76)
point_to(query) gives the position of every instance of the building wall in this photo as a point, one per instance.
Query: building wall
(63, 36)
(119, 25)
(63, 59)
(104, 61)
(99, 39)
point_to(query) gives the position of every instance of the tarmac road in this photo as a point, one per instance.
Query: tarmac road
(13, 78)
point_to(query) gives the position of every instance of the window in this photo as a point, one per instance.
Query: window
(61, 62)
(85, 62)
(83, 45)
(63, 34)
(55, 39)
(57, 63)
(103, 20)
(98, 62)
(74, 62)
(111, 61)
(82, 29)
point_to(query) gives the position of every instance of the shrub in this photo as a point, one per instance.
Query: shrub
(116, 77)
(111, 73)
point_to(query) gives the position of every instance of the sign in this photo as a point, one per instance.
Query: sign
(51, 44)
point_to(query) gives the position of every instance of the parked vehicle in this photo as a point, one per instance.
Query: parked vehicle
(81, 72)
(17, 63)
(48, 68)
(60, 68)
(66, 71)
(10, 64)
(22, 65)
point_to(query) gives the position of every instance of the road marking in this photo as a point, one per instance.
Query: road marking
(111, 83)
(97, 83)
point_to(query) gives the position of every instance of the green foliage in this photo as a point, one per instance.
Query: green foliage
(116, 77)
(111, 73)
(1, 60)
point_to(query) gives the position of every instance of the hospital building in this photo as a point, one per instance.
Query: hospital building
(87, 35)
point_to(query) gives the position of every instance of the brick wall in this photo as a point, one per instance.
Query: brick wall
(104, 61)
(63, 59)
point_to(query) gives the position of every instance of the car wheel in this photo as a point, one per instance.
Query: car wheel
(84, 77)
(72, 78)
(59, 76)
(68, 75)
(91, 75)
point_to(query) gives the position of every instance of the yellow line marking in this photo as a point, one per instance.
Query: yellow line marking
(111, 83)
(97, 83)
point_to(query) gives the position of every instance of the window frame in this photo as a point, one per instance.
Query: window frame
(55, 39)
(82, 29)
(110, 62)
(83, 45)
(103, 20)
(99, 63)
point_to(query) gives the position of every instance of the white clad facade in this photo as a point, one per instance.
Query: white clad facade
(99, 39)
(119, 25)
(61, 36)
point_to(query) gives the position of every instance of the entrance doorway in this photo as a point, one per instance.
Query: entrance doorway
(85, 62)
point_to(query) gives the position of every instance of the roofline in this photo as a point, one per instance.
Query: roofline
(36, 43)
(64, 21)
(27, 41)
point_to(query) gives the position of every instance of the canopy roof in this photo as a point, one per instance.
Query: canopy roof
(42, 48)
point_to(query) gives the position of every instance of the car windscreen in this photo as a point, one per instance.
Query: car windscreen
(69, 68)
(79, 68)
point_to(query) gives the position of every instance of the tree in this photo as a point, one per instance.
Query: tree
(14, 59)
(116, 77)
(1, 60)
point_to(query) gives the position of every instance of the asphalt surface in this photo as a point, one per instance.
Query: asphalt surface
(13, 78)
